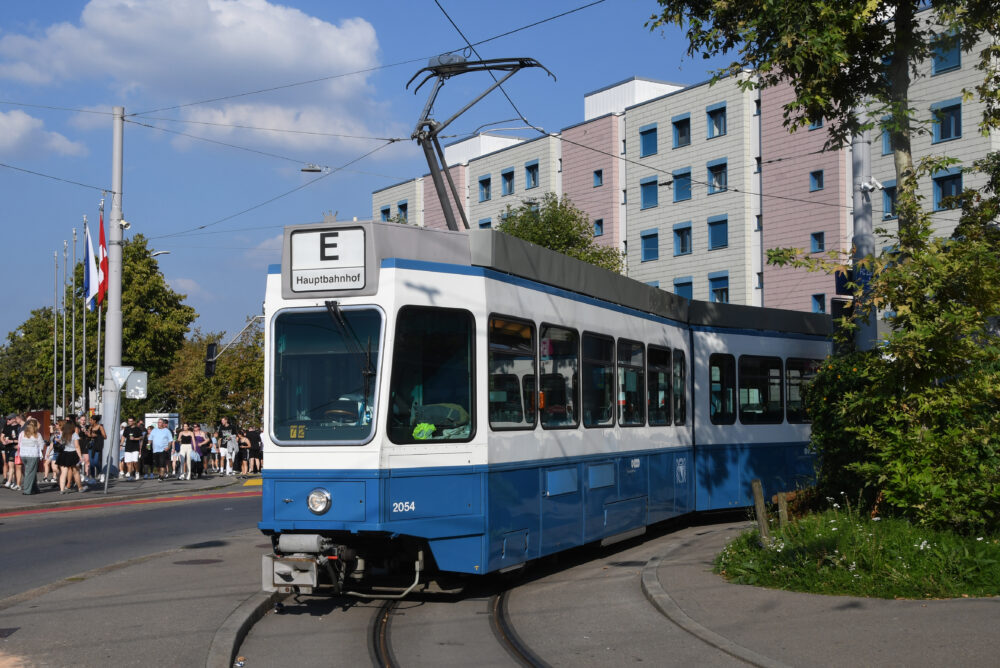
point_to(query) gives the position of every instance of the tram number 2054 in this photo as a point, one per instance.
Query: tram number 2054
(403, 506)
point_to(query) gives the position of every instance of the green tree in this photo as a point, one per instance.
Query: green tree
(915, 423)
(558, 225)
(847, 62)
(26, 365)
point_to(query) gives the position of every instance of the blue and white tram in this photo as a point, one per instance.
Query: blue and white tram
(472, 402)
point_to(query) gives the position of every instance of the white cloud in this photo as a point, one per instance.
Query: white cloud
(267, 251)
(188, 286)
(22, 134)
(160, 54)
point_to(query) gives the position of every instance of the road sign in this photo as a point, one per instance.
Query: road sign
(135, 385)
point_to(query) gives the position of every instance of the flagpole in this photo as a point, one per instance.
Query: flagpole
(100, 299)
(72, 300)
(55, 331)
(86, 306)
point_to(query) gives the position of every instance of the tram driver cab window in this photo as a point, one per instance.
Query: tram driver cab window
(430, 393)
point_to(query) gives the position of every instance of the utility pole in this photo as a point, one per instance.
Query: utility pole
(864, 241)
(65, 253)
(113, 320)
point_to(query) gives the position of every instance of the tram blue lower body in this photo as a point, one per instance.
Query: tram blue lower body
(483, 519)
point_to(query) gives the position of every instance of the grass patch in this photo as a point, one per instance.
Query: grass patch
(842, 551)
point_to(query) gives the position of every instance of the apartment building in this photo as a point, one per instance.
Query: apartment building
(692, 192)
(401, 201)
(807, 193)
(511, 177)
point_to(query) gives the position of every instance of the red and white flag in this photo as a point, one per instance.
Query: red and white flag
(102, 265)
(91, 279)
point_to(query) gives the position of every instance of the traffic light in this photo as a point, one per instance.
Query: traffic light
(210, 355)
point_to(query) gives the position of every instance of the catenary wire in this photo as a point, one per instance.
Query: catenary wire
(276, 197)
(56, 178)
(362, 71)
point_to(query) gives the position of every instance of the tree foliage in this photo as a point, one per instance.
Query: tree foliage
(557, 225)
(916, 422)
(847, 62)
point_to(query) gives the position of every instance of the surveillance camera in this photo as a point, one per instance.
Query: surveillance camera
(125, 225)
(871, 184)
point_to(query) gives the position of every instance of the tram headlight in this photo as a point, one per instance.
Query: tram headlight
(319, 501)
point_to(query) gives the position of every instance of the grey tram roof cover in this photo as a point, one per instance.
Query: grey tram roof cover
(497, 251)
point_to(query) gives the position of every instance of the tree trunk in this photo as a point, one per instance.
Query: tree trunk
(899, 93)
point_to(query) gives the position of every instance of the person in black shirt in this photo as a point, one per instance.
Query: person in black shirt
(256, 450)
(134, 435)
(8, 438)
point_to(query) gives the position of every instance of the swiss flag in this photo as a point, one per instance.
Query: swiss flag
(102, 265)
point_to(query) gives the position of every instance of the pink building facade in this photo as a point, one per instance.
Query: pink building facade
(433, 215)
(806, 204)
(592, 178)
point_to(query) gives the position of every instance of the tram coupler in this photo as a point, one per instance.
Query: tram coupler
(298, 559)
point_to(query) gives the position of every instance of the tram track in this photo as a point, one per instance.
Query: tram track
(383, 655)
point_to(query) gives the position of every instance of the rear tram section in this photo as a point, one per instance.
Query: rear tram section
(466, 402)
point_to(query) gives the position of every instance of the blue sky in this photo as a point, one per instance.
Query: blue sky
(151, 55)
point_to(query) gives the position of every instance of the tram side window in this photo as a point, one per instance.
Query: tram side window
(598, 380)
(722, 391)
(680, 388)
(631, 385)
(559, 367)
(659, 386)
(512, 366)
(430, 394)
(799, 373)
(760, 390)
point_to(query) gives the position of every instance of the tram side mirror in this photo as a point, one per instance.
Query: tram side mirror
(210, 354)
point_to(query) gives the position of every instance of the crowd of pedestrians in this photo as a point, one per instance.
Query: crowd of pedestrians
(74, 456)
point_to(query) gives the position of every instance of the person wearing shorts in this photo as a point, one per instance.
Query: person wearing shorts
(161, 440)
(134, 433)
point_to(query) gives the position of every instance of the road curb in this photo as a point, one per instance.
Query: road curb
(662, 601)
(227, 640)
(97, 498)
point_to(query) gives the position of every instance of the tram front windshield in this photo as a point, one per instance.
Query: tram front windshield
(325, 367)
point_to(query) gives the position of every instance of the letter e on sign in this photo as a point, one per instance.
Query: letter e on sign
(327, 246)
(327, 260)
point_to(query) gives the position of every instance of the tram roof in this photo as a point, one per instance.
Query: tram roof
(497, 251)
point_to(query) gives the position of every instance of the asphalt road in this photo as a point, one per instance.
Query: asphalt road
(36, 550)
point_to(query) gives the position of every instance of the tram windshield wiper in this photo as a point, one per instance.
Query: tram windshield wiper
(353, 343)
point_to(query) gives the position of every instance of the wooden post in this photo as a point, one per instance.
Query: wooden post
(782, 509)
(760, 510)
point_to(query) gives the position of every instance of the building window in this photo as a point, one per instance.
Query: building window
(819, 303)
(716, 116)
(560, 165)
(947, 120)
(816, 180)
(815, 124)
(624, 196)
(946, 184)
(683, 287)
(756, 165)
(402, 208)
(718, 232)
(507, 182)
(650, 248)
(760, 280)
(647, 140)
(598, 178)
(888, 200)
(947, 54)
(758, 221)
(718, 288)
(485, 223)
(648, 195)
(682, 185)
(886, 137)
(531, 175)
(682, 130)
(386, 213)
(718, 176)
(598, 227)
(817, 242)
(682, 238)
(653, 284)
(623, 147)
(756, 107)
(484, 189)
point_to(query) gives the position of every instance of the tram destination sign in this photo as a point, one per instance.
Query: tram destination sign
(326, 260)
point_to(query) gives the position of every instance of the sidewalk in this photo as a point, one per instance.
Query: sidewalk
(118, 490)
(775, 628)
